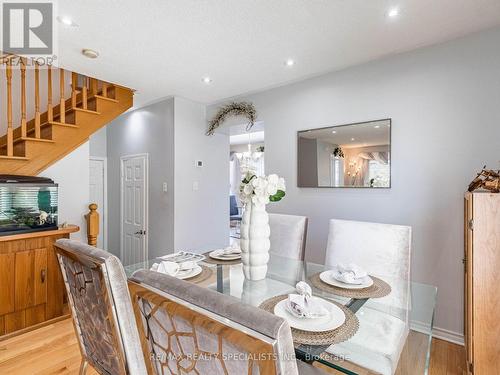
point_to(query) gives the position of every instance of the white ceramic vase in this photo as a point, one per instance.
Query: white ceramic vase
(254, 241)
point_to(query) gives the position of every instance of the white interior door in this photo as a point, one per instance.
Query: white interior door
(98, 195)
(134, 208)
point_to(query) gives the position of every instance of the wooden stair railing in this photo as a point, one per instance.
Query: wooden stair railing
(92, 219)
(30, 146)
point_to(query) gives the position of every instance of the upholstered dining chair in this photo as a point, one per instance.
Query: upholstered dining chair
(288, 235)
(383, 250)
(188, 329)
(101, 308)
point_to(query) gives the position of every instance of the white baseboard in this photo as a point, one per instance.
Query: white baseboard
(447, 335)
(439, 333)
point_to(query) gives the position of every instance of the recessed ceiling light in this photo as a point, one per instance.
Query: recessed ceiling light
(334, 132)
(377, 126)
(90, 53)
(393, 12)
(353, 139)
(207, 80)
(289, 62)
(66, 21)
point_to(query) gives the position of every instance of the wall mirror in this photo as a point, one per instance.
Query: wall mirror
(353, 155)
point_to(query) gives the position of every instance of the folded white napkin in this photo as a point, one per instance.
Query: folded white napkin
(187, 265)
(303, 305)
(166, 267)
(350, 274)
(230, 250)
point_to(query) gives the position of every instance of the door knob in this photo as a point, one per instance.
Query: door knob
(141, 232)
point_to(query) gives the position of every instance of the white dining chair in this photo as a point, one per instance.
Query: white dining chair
(288, 235)
(383, 250)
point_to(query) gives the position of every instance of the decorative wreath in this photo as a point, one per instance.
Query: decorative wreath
(244, 109)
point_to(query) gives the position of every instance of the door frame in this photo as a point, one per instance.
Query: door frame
(146, 200)
(104, 209)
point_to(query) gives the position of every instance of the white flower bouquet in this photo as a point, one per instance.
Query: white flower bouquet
(261, 190)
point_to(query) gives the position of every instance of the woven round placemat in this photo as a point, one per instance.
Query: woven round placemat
(335, 336)
(378, 289)
(217, 261)
(206, 272)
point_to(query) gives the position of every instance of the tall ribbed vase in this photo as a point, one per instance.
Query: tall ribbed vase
(254, 241)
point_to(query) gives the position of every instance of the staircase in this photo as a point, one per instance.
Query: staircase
(83, 107)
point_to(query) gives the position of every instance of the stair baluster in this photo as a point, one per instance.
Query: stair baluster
(93, 86)
(74, 91)
(62, 102)
(37, 101)
(104, 89)
(50, 109)
(10, 131)
(23, 98)
(84, 93)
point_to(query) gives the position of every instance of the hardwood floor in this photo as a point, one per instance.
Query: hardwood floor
(53, 349)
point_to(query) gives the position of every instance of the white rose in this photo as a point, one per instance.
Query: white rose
(281, 184)
(273, 179)
(272, 189)
(259, 183)
(248, 189)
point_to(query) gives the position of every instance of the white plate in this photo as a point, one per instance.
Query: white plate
(327, 277)
(331, 321)
(216, 255)
(189, 273)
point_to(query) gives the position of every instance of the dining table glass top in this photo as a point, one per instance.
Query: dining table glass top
(378, 318)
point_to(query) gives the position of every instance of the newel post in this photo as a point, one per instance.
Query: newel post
(92, 225)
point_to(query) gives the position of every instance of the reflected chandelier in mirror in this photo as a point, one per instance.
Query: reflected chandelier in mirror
(352, 155)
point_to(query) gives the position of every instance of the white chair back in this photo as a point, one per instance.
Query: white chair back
(288, 235)
(383, 250)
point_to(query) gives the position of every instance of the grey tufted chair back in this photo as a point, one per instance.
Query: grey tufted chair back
(102, 310)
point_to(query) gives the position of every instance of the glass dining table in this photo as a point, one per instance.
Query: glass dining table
(368, 348)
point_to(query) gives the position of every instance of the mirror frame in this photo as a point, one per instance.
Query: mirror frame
(346, 187)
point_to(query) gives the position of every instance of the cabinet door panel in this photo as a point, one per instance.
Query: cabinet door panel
(7, 278)
(2, 326)
(35, 315)
(15, 321)
(40, 276)
(25, 287)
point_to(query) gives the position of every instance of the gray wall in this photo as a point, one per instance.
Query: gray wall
(98, 143)
(202, 215)
(146, 130)
(444, 102)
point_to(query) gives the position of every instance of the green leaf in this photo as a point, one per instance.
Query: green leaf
(277, 197)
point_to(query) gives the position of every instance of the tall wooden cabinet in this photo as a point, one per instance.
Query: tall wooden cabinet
(482, 282)
(31, 285)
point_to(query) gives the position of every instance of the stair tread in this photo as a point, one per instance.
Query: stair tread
(34, 139)
(86, 111)
(63, 124)
(106, 98)
(13, 157)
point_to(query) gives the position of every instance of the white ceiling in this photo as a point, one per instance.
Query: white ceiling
(165, 47)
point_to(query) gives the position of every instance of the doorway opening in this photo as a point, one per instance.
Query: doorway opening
(246, 150)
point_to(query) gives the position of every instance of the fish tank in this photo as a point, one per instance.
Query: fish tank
(27, 204)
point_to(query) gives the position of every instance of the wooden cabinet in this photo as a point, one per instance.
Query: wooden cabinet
(32, 289)
(482, 282)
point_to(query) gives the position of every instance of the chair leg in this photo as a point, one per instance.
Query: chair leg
(83, 367)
